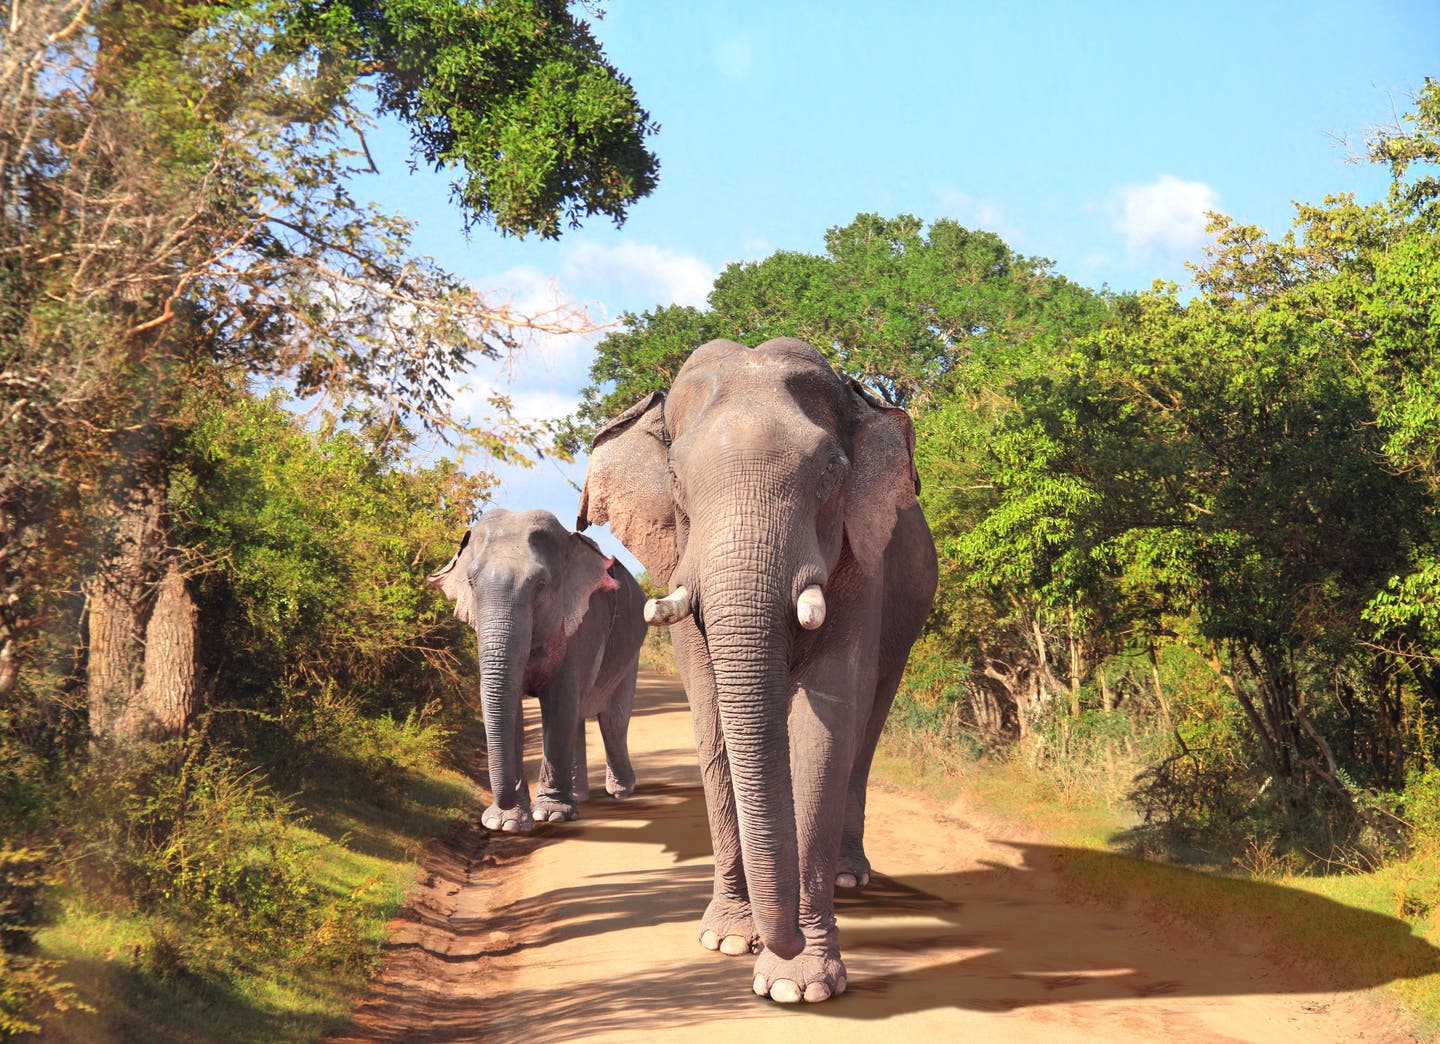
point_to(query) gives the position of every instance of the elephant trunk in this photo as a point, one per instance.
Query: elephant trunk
(504, 650)
(747, 625)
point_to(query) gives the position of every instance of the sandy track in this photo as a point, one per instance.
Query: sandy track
(587, 931)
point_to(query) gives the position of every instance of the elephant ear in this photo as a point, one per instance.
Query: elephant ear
(588, 571)
(451, 580)
(628, 485)
(883, 480)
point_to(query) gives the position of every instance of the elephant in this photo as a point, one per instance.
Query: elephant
(778, 502)
(558, 619)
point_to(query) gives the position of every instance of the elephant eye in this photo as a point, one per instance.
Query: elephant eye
(831, 479)
(677, 491)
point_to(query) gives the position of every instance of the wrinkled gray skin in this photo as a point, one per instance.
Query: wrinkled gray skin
(760, 474)
(557, 619)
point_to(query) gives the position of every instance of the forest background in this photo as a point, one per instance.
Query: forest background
(1189, 535)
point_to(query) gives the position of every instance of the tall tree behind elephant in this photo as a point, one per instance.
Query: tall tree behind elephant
(559, 620)
(778, 501)
(145, 253)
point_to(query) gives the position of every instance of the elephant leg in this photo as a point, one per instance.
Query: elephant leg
(822, 745)
(853, 868)
(726, 925)
(615, 731)
(558, 724)
(580, 780)
(517, 820)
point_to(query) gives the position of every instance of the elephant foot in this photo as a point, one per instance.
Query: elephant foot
(810, 977)
(508, 820)
(554, 810)
(852, 870)
(580, 792)
(728, 927)
(619, 789)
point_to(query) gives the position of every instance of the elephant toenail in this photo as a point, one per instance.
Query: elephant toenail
(783, 991)
(816, 991)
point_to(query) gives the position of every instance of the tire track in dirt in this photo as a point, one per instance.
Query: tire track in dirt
(587, 931)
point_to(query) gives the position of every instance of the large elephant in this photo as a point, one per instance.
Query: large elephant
(560, 620)
(778, 501)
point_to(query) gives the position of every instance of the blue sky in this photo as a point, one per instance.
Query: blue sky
(1095, 135)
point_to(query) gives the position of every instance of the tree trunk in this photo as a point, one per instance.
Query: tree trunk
(142, 636)
(1076, 666)
(167, 693)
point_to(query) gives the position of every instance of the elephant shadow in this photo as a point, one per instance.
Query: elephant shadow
(1006, 937)
(992, 938)
(669, 816)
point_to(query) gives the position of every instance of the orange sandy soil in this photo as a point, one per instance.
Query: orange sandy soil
(588, 931)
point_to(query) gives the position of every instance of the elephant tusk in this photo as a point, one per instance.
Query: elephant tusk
(673, 608)
(810, 607)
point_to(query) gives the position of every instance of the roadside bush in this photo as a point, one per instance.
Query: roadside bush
(933, 698)
(29, 986)
(379, 748)
(1096, 754)
(193, 837)
(22, 879)
(1421, 808)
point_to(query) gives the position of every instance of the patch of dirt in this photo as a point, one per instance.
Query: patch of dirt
(587, 931)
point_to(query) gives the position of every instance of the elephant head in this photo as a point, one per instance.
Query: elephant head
(524, 582)
(759, 486)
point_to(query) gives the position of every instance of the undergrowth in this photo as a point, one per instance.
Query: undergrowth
(197, 900)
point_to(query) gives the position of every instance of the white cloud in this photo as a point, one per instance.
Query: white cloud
(733, 57)
(1165, 216)
(636, 270)
(968, 210)
(533, 398)
(976, 213)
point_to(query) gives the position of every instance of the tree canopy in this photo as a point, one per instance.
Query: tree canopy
(895, 305)
(1132, 494)
(177, 209)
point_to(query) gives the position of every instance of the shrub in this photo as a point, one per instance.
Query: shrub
(29, 987)
(189, 834)
(1421, 808)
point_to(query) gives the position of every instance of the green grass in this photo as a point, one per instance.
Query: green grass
(365, 841)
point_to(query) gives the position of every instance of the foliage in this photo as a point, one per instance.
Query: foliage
(192, 836)
(893, 304)
(313, 547)
(516, 94)
(1422, 808)
(177, 207)
(1194, 528)
(27, 982)
(178, 227)
(1244, 473)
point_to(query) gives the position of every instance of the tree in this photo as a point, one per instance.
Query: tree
(894, 306)
(942, 321)
(1249, 472)
(175, 206)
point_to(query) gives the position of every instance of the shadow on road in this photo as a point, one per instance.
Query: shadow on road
(1025, 946)
(996, 934)
(992, 938)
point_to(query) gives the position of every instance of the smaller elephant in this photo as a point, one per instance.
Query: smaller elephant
(557, 619)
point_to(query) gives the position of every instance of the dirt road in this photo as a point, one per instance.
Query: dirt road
(587, 931)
